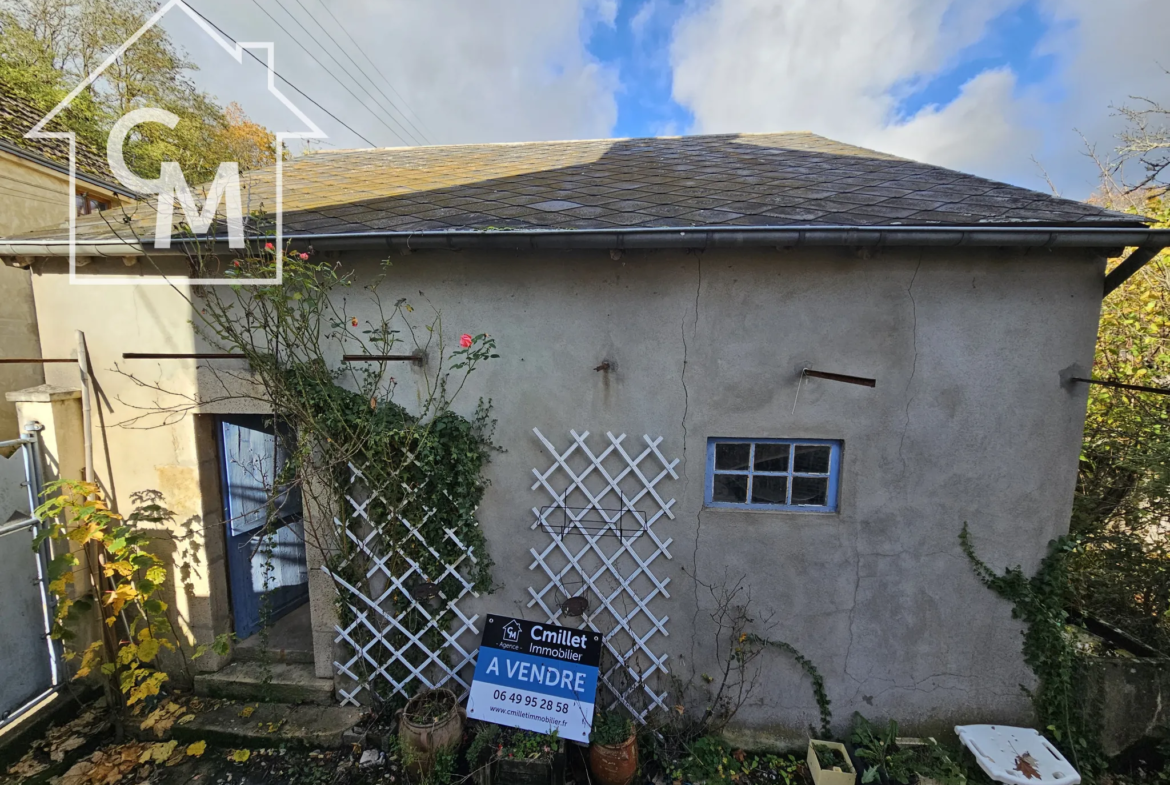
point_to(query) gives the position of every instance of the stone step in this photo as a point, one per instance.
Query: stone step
(256, 654)
(290, 683)
(270, 725)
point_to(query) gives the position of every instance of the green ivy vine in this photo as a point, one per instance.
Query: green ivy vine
(818, 681)
(1058, 699)
(418, 472)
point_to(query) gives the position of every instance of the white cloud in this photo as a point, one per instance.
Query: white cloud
(508, 70)
(643, 16)
(607, 11)
(842, 67)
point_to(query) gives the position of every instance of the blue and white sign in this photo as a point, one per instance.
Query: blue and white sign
(538, 677)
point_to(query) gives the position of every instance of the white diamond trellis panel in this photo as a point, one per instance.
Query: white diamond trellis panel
(602, 545)
(385, 655)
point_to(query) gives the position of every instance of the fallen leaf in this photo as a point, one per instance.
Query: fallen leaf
(28, 766)
(739, 755)
(246, 712)
(196, 749)
(185, 719)
(57, 753)
(239, 756)
(78, 773)
(1026, 765)
(158, 752)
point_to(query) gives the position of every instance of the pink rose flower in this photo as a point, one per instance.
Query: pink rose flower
(268, 246)
(304, 257)
(465, 340)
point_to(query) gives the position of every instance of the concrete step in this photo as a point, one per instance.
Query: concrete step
(290, 683)
(270, 725)
(241, 653)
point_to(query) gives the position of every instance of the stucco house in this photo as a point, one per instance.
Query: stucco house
(35, 192)
(793, 362)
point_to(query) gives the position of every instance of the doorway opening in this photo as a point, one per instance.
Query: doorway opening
(268, 577)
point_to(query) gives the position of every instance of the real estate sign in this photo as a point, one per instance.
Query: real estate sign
(538, 677)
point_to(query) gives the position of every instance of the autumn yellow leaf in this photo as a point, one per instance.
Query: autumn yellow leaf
(120, 596)
(149, 686)
(158, 752)
(127, 653)
(148, 649)
(239, 756)
(123, 567)
(196, 749)
(246, 712)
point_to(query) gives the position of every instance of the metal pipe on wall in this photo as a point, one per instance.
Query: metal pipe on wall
(86, 405)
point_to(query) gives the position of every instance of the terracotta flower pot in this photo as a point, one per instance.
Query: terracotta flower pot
(423, 739)
(614, 764)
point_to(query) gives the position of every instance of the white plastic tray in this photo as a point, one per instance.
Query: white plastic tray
(1006, 753)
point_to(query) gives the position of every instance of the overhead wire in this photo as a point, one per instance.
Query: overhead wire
(323, 67)
(32, 197)
(284, 79)
(370, 60)
(417, 135)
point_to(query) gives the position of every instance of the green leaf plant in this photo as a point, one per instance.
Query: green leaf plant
(119, 586)
(416, 472)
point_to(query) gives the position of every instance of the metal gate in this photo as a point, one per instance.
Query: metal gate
(29, 658)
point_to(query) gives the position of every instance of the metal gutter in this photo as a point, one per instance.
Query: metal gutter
(630, 238)
(1108, 240)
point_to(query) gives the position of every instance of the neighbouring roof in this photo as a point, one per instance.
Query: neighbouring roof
(18, 116)
(727, 180)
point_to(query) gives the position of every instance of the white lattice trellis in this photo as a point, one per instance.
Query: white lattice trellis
(616, 568)
(378, 637)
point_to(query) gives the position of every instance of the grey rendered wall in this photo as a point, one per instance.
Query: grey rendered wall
(968, 422)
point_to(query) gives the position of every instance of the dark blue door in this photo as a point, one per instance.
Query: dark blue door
(261, 560)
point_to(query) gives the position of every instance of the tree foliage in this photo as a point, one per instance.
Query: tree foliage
(48, 46)
(1121, 570)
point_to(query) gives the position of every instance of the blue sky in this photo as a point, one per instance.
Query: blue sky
(647, 108)
(984, 87)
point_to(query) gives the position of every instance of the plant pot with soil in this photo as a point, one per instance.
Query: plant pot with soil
(829, 763)
(429, 725)
(613, 749)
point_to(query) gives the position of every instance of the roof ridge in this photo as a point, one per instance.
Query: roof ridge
(571, 141)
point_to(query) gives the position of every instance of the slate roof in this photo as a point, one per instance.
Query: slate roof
(18, 116)
(782, 179)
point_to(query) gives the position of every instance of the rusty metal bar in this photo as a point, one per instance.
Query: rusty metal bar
(379, 358)
(37, 360)
(840, 377)
(165, 356)
(1121, 386)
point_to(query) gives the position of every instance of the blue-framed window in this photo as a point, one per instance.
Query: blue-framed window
(800, 475)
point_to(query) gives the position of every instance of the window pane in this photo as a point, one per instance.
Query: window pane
(769, 490)
(730, 488)
(771, 457)
(732, 457)
(812, 458)
(810, 490)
